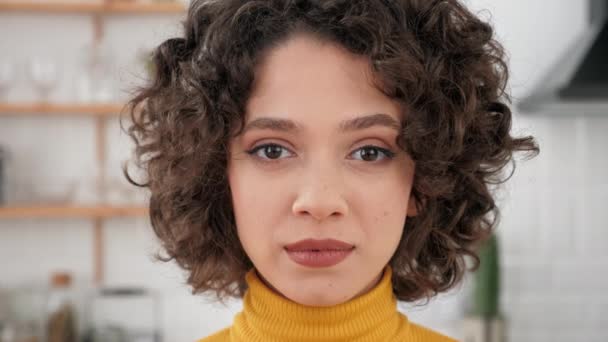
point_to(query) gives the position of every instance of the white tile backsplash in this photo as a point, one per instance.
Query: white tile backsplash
(594, 225)
(596, 163)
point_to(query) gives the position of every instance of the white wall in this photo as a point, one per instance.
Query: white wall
(554, 226)
(553, 229)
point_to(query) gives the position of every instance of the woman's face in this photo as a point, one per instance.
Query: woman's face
(304, 170)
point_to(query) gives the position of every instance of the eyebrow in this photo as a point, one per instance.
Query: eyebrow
(358, 123)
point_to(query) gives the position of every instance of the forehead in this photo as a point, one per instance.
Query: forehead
(315, 83)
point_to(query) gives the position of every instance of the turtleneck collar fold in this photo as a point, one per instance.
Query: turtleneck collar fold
(268, 316)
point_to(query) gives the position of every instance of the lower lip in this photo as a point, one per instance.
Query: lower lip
(325, 258)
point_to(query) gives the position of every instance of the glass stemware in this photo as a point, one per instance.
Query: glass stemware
(7, 77)
(43, 73)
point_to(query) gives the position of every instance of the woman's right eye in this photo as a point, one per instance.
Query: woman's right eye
(267, 152)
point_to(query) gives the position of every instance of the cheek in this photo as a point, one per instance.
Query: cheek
(386, 207)
(254, 202)
(241, 190)
(252, 196)
(387, 196)
(387, 221)
(383, 233)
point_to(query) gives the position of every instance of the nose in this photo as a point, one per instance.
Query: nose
(320, 196)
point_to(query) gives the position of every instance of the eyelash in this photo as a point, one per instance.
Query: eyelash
(387, 153)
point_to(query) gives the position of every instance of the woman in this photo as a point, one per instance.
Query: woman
(324, 159)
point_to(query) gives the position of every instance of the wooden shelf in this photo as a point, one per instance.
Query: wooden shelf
(97, 7)
(71, 211)
(12, 109)
(97, 213)
(144, 8)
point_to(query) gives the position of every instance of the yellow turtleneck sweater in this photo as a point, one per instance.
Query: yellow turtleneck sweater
(373, 316)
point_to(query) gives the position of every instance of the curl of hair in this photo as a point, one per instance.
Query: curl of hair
(434, 56)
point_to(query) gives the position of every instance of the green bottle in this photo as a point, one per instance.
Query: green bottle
(486, 293)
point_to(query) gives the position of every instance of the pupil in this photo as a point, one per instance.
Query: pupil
(273, 152)
(367, 152)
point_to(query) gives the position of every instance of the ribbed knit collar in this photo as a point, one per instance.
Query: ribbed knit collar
(267, 316)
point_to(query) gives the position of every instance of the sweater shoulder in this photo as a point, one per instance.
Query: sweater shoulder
(219, 336)
(422, 333)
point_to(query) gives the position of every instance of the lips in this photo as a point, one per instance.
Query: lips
(319, 245)
(319, 253)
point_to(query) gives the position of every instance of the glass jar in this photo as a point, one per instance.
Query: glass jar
(21, 318)
(61, 320)
(121, 314)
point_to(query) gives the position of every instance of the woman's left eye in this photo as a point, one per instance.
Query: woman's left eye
(368, 153)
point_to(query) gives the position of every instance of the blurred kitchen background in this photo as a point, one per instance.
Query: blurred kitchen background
(73, 231)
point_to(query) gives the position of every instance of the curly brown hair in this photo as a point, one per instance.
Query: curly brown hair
(434, 56)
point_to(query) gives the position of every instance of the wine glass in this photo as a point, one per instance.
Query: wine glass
(43, 73)
(7, 77)
(95, 82)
